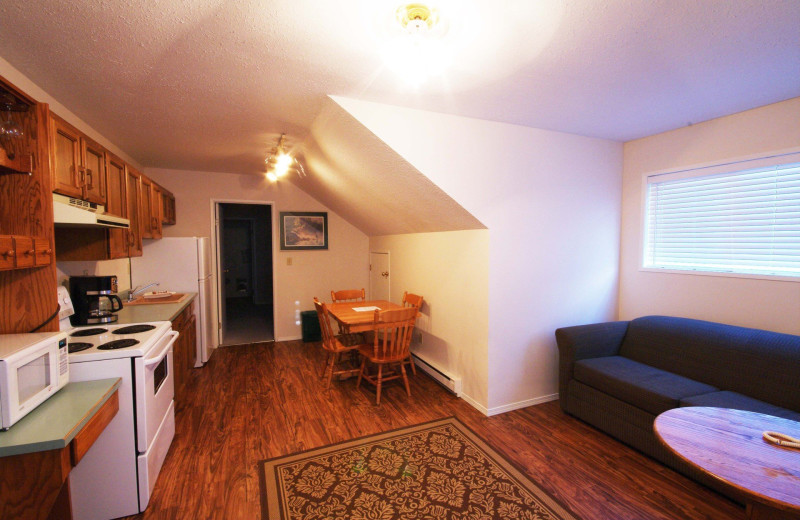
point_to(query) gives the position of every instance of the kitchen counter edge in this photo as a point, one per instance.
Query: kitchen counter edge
(55, 422)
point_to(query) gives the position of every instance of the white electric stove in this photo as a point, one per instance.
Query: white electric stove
(117, 475)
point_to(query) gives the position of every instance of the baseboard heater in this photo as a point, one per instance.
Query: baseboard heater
(448, 381)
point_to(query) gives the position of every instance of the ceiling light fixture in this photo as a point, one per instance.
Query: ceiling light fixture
(280, 162)
(417, 51)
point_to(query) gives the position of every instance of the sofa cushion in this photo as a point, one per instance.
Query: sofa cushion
(758, 363)
(736, 401)
(643, 386)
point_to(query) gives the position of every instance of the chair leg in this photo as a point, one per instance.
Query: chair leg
(380, 382)
(405, 378)
(331, 364)
(325, 364)
(361, 372)
(413, 365)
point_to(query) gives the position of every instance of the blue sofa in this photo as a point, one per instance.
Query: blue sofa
(619, 376)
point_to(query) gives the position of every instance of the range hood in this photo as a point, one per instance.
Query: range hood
(72, 212)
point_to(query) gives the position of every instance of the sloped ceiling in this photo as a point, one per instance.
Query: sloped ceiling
(368, 184)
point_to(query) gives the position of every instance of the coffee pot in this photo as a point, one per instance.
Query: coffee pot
(95, 299)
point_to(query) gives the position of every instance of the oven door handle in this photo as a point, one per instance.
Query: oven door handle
(161, 355)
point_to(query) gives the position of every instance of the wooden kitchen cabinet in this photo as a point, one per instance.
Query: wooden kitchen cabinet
(184, 352)
(146, 194)
(103, 243)
(167, 208)
(134, 199)
(27, 294)
(155, 219)
(77, 163)
(118, 239)
(65, 146)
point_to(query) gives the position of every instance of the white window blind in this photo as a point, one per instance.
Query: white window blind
(738, 222)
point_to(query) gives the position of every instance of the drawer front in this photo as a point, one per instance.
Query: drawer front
(25, 253)
(6, 252)
(44, 253)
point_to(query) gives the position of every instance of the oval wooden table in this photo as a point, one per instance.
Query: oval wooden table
(728, 445)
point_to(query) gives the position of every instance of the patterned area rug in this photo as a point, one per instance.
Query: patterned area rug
(439, 469)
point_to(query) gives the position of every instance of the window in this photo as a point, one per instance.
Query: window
(743, 221)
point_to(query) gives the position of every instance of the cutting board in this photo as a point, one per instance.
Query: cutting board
(172, 298)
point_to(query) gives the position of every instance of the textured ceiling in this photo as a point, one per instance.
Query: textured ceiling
(208, 84)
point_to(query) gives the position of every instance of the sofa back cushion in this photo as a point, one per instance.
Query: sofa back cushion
(757, 363)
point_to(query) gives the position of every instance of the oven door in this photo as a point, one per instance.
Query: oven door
(155, 389)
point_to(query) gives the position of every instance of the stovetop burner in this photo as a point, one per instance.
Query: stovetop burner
(118, 343)
(88, 332)
(78, 346)
(134, 329)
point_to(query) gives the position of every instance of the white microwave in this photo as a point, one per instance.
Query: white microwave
(33, 367)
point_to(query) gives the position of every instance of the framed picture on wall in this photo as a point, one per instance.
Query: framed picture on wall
(304, 230)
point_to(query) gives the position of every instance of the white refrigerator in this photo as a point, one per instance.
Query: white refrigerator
(182, 265)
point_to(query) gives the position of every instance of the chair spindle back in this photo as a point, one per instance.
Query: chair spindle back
(393, 330)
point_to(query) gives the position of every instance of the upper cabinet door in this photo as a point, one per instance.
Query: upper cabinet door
(156, 211)
(65, 158)
(167, 208)
(133, 190)
(147, 207)
(118, 240)
(93, 171)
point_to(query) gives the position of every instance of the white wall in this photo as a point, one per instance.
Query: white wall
(312, 273)
(551, 202)
(451, 271)
(768, 304)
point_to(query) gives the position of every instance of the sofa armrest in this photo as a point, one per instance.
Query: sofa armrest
(585, 342)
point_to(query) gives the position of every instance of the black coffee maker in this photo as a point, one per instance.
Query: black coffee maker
(94, 298)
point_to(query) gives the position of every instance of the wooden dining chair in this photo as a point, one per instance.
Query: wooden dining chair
(389, 349)
(412, 300)
(348, 295)
(335, 345)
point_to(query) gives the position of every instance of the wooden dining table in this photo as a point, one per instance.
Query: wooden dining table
(359, 316)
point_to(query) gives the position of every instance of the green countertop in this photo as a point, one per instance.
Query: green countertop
(153, 311)
(55, 422)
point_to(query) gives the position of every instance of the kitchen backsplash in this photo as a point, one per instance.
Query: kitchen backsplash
(120, 267)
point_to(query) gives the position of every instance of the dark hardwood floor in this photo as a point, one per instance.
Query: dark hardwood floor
(260, 401)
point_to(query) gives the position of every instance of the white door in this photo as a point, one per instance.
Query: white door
(379, 276)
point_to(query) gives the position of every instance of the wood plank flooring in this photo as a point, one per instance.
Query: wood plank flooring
(259, 401)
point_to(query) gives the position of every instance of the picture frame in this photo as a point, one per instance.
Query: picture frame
(304, 230)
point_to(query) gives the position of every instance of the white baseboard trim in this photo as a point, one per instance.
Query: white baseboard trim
(521, 404)
(289, 338)
(475, 404)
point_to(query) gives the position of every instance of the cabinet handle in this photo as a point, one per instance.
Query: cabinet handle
(82, 175)
(30, 252)
(10, 253)
(90, 185)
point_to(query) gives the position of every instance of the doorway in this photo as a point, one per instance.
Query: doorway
(244, 235)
